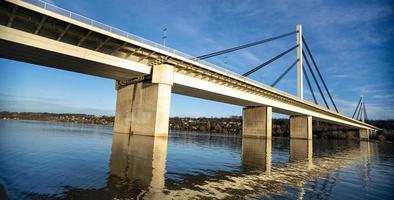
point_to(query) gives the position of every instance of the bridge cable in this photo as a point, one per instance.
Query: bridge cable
(318, 71)
(314, 78)
(359, 102)
(359, 111)
(365, 113)
(309, 85)
(202, 57)
(269, 61)
(284, 73)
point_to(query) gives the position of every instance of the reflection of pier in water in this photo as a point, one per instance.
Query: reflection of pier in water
(264, 180)
(366, 150)
(256, 154)
(138, 169)
(140, 161)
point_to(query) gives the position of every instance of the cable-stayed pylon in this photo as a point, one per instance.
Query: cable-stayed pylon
(301, 71)
(361, 111)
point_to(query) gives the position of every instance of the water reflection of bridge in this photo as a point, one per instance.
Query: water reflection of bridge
(138, 167)
(140, 162)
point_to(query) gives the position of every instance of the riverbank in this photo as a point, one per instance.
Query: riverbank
(229, 125)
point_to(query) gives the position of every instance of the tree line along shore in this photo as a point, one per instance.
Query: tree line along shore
(228, 125)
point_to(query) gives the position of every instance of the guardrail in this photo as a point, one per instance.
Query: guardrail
(86, 20)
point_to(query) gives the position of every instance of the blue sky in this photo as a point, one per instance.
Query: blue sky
(352, 41)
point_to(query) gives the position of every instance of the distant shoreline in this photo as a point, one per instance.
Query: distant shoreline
(52, 121)
(226, 125)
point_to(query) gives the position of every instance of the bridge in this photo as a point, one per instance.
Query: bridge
(146, 73)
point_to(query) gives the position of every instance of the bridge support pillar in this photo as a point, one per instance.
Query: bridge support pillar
(143, 108)
(364, 134)
(301, 127)
(257, 122)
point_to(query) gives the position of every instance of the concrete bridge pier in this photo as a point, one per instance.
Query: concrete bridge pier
(143, 108)
(301, 127)
(364, 134)
(257, 122)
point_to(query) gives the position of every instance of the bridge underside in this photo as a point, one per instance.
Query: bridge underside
(43, 57)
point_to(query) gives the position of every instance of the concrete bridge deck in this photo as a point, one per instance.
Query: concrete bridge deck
(50, 36)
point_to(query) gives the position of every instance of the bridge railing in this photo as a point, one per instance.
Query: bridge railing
(86, 20)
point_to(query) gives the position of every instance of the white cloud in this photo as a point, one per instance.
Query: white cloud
(386, 96)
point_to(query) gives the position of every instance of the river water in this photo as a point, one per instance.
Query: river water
(48, 160)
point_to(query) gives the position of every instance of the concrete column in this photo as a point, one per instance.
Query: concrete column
(257, 122)
(301, 127)
(364, 134)
(144, 108)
